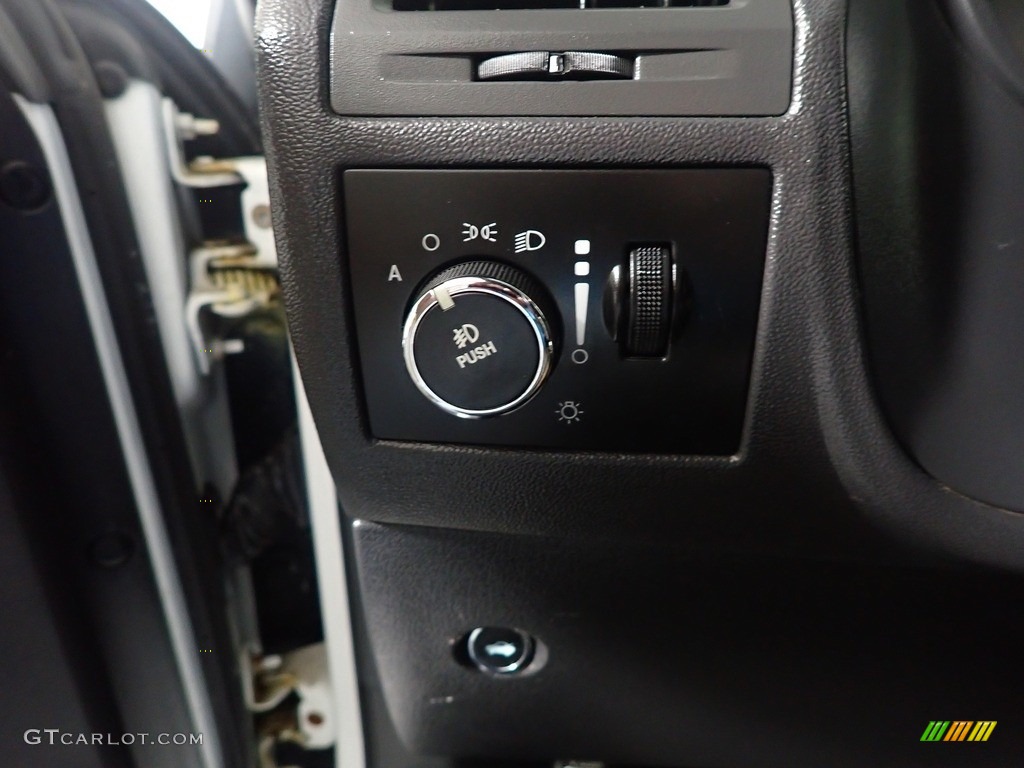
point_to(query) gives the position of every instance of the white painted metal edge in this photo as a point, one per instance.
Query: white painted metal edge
(349, 751)
(135, 119)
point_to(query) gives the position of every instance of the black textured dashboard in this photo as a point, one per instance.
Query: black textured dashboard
(819, 479)
(936, 138)
(819, 471)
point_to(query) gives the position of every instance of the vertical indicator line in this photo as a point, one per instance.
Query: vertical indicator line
(582, 292)
(582, 300)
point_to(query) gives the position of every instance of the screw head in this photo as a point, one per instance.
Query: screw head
(261, 216)
(112, 549)
(111, 78)
(24, 187)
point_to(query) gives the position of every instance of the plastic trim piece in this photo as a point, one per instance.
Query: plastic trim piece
(724, 60)
(819, 477)
(979, 28)
(818, 474)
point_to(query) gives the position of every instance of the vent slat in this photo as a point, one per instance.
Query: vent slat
(534, 5)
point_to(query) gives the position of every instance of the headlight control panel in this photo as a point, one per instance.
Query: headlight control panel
(595, 310)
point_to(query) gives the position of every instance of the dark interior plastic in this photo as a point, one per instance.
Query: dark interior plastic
(938, 170)
(807, 602)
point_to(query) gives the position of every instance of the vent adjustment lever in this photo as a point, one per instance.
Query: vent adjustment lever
(545, 65)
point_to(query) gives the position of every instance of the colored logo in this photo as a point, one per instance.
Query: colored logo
(958, 730)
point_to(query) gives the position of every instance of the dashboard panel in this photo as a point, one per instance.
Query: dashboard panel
(708, 588)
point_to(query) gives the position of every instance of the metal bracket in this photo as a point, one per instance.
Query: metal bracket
(208, 173)
(180, 127)
(269, 680)
(228, 280)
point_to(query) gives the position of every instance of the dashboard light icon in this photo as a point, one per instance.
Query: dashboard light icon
(530, 240)
(569, 412)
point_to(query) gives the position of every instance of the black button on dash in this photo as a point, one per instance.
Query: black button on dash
(500, 650)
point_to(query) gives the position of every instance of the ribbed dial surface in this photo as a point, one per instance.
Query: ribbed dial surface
(649, 320)
(488, 270)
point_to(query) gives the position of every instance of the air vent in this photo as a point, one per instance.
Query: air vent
(545, 58)
(520, 5)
